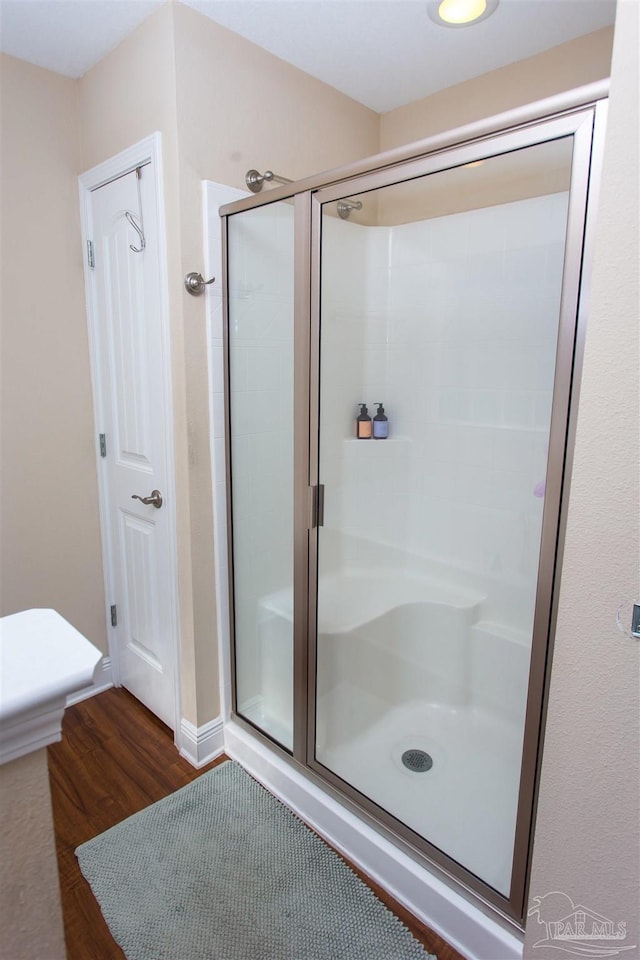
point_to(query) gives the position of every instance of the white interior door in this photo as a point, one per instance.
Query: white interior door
(132, 394)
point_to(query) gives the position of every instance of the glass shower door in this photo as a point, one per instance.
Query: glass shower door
(260, 359)
(440, 302)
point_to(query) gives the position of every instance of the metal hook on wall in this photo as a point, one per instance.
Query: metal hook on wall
(346, 206)
(254, 180)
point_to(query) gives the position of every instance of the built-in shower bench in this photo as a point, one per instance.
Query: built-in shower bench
(349, 599)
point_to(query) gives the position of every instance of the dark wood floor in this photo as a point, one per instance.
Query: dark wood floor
(116, 758)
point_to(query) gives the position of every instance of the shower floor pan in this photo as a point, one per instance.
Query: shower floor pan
(465, 804)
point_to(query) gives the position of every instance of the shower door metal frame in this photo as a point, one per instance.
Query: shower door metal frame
(579, 126)
(580, 114)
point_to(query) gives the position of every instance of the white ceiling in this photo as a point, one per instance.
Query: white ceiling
(68, 36)
(383, 53)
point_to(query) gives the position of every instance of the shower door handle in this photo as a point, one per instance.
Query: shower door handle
(155, 500)
(317, 506)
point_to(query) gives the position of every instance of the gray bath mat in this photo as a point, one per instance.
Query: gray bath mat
(221, 870)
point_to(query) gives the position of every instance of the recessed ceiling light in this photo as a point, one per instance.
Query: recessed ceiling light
(460, 13)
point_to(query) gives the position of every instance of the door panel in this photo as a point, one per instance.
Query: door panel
(124, 293)
(440, 299)
(128, 300)
(260, 343)
(139, 537)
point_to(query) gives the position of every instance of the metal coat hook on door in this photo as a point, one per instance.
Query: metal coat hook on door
(139, 228)
(132, 220)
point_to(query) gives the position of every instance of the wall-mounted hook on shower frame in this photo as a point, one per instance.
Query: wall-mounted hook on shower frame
(194, 283)
(346, 206)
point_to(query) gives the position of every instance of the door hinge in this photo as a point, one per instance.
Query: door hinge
(103, 444)
(317, 506)
(114, 615)
(91, 259)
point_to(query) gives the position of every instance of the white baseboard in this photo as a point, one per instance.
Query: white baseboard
(465, 926)
(102, 680)
(200, 745)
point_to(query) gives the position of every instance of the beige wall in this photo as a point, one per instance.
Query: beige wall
(50, 537)
(587, 839)
(30, 912)
(241, 107)
(563, 67)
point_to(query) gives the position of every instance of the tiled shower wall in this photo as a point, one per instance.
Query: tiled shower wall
(452, 322)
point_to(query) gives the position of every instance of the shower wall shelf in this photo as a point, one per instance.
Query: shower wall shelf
(379, 442)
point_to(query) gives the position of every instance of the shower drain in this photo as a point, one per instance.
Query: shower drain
(418, 761)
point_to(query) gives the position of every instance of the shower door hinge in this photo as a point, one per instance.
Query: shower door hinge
(317, 506)
(103, 444)
(114, 615)
(91, 260)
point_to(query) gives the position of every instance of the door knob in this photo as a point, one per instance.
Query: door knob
(155, 500)
(195, 283)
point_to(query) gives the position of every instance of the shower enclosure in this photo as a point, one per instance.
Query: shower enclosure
(393, 599)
